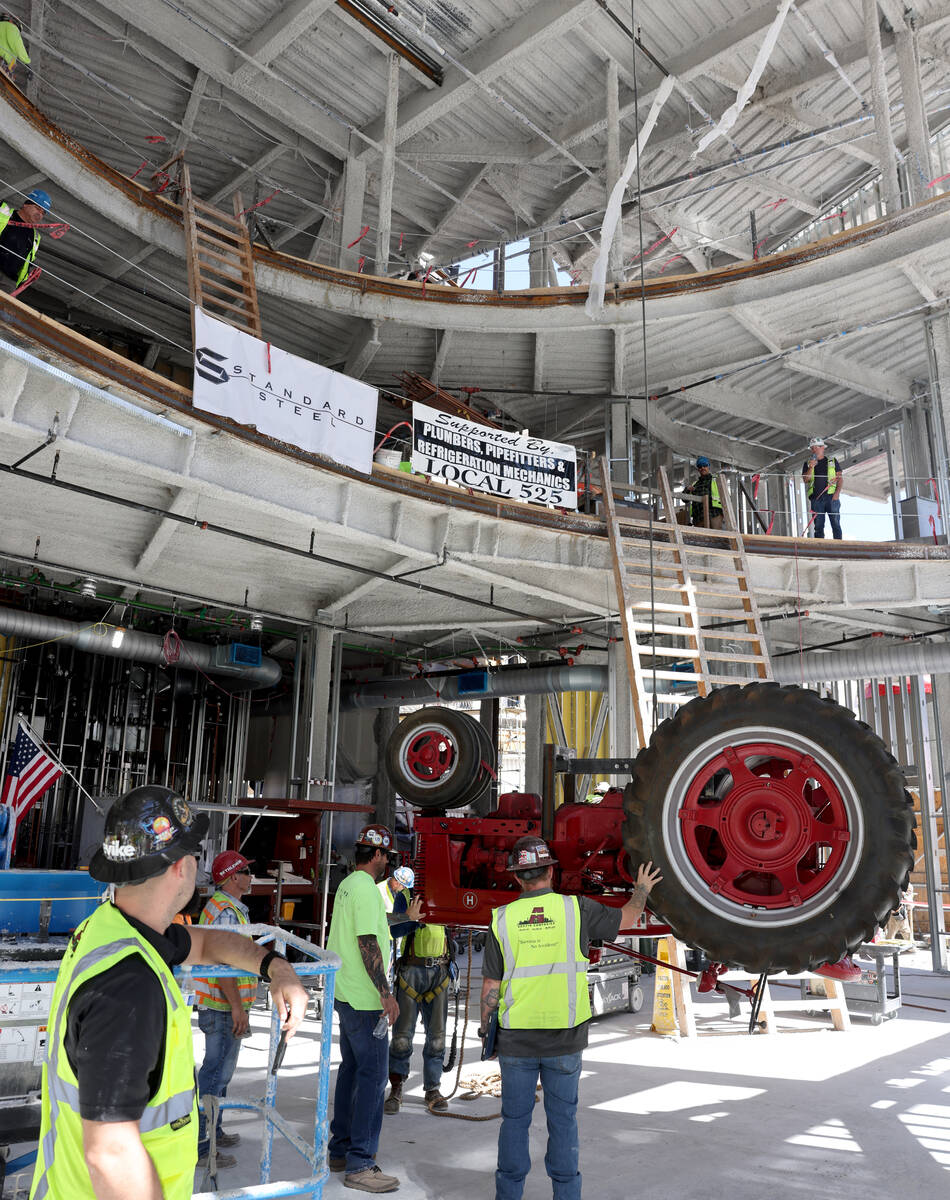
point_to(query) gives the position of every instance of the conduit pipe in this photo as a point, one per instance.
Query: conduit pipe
(475, 684)
(874, 662)
(140, 647)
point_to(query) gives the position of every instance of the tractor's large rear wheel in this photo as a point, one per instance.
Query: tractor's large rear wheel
(780, 824)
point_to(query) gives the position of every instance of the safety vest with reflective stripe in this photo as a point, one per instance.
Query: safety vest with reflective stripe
(429, 941)
(6, 212)
(832, 480)
(169, 1125)
(209, 991)
(545, 980)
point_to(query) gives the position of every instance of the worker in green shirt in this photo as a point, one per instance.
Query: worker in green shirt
(12, 49)
(359, 934)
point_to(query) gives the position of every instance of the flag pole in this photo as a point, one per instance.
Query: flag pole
(66, 771)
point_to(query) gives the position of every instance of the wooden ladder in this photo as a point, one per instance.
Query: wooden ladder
(218, 252)
(671, 583)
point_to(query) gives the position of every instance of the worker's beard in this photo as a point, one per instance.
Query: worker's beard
(380, 870)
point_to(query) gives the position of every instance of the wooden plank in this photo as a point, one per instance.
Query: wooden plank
(219, 214)
(634, 670)
(207, 282)
(240, 309)
(231, 251)
(232, 260)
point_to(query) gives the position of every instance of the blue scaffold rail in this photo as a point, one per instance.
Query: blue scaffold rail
(323, 965)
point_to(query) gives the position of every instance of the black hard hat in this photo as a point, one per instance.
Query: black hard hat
(146, 831)
(530, 853)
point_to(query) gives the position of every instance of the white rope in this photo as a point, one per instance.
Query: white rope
(598, 278)
(744, 95)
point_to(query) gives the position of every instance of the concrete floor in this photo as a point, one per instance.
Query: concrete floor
(808, 1112)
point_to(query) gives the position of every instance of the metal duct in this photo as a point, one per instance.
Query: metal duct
(871, 661)
(141, 647)
(475, 685)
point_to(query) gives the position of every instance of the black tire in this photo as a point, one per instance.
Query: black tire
(434, 759)
(727, 844)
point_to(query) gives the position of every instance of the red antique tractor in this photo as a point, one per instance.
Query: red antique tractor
(780, 823)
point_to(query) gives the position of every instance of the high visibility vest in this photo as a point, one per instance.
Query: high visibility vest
(169, 1125)
(545, 984)
(6, 212)
(832, 480)
(429, 941)
(208, 991)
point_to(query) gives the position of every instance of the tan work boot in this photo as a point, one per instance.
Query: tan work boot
(394, 1099)
(371, 1179)
(435, 1100)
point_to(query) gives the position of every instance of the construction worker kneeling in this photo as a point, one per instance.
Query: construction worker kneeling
(424, 976)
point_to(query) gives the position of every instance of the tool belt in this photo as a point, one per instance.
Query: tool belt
(413, 960)
(425, 997)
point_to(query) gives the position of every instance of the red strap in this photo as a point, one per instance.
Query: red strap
(363, 232)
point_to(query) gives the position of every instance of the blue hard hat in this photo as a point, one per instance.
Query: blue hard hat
(702, 461)
(38, 196)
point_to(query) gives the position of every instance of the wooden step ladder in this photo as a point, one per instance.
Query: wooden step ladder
(218, 252)
(672, 582)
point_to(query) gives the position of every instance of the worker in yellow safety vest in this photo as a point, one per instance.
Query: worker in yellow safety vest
(705, 484)
(223, 1004)
(118, 1115)
(534, 985)
(19, 237)
(823, 478)
(396, 894)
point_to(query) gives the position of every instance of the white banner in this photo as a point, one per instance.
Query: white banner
(286, 397)
(513, 465)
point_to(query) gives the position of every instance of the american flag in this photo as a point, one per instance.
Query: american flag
(30, 772)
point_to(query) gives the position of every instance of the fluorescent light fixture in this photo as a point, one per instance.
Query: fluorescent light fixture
(118, 636)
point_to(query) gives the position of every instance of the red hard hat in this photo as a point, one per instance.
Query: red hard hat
(375, 835)
(228, 862)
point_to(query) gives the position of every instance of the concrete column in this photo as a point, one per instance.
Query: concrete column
(887, 151)
(919, 162)
(939, 327)
(351, 224)
(615, 261)
(539, 261)
(534, 725)
(384, 794)
(622, 737)
(388, 169)
(918, 460)
(322, 670)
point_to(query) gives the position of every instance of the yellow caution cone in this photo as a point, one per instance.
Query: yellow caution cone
(664, 1012)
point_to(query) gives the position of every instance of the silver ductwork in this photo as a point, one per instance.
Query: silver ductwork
(478, 684)
(140, 647)
(868, 662)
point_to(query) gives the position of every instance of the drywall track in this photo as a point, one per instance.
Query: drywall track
(158, 221)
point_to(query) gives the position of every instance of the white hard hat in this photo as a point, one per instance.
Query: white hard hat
(817, 441)
(405, 875)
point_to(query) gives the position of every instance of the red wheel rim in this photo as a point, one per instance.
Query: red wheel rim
(429, 756)
(765, 825)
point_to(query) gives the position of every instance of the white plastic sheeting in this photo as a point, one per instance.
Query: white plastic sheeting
(598, 279)
(744, 94)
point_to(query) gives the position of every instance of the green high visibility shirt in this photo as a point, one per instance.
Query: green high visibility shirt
(544, 985)
(169, 1125)
(11, 44)
(358, 911)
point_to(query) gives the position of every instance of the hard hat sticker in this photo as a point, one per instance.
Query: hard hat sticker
(162, 828)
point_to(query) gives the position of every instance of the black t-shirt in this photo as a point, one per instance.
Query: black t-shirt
(821, 474)
(597, 922)
(115, 1030)
(16, 242)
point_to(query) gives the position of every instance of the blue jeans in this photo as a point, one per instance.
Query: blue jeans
(221, 1054)
(820, 505)
(360, 1088)
(559, 1079)
(434, 1014)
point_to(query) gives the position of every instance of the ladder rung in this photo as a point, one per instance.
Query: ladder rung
(245, 328)
(727, 656)
(232, 251)
(223, 287)
(663, 606)
(666, 630)
(740, 594)
(731, 634)
(656, 587)
(691, 549)
(218, 213)
(206, 227)
(665, 652)
(231, 260)
(237, 308)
